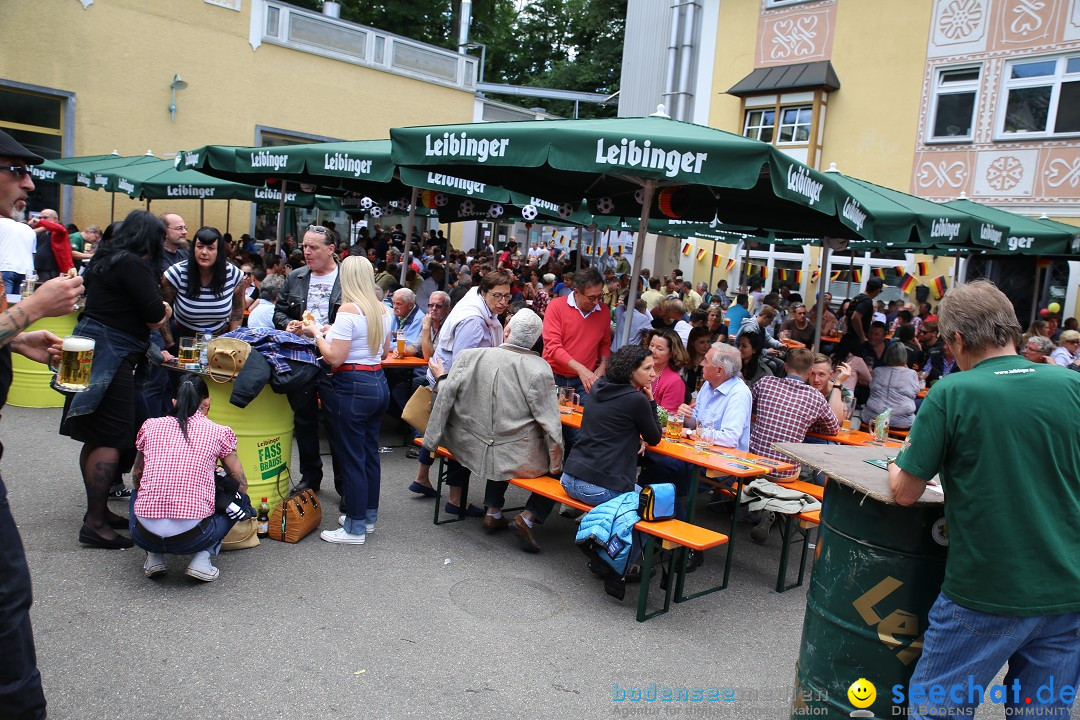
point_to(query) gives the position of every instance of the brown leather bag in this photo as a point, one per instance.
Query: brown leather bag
(296, 517)
(226, 357)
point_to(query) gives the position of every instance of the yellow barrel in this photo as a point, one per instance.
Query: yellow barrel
(264, 433)
(30, 380)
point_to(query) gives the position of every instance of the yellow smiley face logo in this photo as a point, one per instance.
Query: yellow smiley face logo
(862, 693)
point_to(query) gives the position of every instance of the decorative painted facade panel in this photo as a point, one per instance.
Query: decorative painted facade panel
(797, 34)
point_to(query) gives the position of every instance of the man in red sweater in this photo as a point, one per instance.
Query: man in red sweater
(55, 255)
(577, 338)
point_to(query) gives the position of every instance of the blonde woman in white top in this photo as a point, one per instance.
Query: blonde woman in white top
(354, 347)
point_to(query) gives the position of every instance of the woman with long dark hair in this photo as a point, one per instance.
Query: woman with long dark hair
(751, 345)
(123, 304)
(206, 290)
(173, 506)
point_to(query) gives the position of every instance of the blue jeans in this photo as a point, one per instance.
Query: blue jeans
(214, 530)
(966, 648)
(12, 280)
(586, 492)
(20, 681)
(360, 399)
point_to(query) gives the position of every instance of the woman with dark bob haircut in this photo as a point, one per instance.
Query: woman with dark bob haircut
(206, 290)
(618, 423)
(123, 304)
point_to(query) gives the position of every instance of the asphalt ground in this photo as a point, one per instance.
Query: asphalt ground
(420, 622)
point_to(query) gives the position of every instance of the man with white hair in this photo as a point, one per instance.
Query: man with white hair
(724, 399)
(408, 317)
(497, 413)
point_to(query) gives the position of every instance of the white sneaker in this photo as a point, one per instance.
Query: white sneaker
(340, 536)
(201, 569)
(154, 565)
(368, 528)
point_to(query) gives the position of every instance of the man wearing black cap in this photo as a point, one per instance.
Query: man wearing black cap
(20, 682)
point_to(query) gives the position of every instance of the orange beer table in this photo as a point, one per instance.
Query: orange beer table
(738, 464)
(793, 343)
(391, 363)
(922, 393)
(857, 438)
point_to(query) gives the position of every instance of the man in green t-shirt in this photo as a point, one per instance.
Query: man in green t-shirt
(1010, 470)
(79, 240)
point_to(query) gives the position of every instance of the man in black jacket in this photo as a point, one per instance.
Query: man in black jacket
(316, 288)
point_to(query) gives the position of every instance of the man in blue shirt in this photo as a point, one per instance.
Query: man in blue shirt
(724, 399)
(738, 312)
(408, 317)
(640, 321)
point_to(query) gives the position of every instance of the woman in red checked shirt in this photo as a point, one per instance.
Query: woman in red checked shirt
(172, 507)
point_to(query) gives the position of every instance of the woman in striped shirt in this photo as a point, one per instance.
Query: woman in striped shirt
(206, 291)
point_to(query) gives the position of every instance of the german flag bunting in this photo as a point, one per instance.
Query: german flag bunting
(798, 276)
(588, 250)
(835, 275)
(878, 273)
(908, 283)
(700, 254)
(924, 267)
(939, 286)
(814, 276)
(716, 260)
(900, 270)
(856, 276)
(730, 263)
(553, 231)
(781, 274)
(764, 272)
(686, 248)
(622, 248)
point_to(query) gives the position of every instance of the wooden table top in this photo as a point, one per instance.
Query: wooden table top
(857, 438)
(406, 362)
(724, 460)
(848, 466)
(793, 343)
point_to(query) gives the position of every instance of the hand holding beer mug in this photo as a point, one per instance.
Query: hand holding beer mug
(76, 358)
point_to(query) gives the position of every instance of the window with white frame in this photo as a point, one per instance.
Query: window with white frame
(760, 124)
(953, 100)
(1041, 97)
(793, 127)
(769, 4)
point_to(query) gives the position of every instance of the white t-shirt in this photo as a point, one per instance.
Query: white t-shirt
(318, 297)
(17, 244)
(354, 328)
(262, 316)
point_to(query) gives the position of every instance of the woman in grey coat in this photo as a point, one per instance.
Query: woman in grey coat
(894, 385)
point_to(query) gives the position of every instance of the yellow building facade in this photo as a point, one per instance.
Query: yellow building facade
(253, 72)
(938, 98)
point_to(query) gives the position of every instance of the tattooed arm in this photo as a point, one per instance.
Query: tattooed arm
(236, 469)
(236, 318)
(52, 299)
(137, 470)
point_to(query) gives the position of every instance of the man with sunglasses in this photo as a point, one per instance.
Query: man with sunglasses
(314, 287)
(174, 246)
(20, 682)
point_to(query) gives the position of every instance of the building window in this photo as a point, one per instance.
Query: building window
(1042, 97)
(769, 4)
(953, 100)
(36, 121)
(760, 124)
(794, 128)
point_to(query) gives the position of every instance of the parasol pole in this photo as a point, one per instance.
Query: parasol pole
(202, 211)
(228, 213)
(280, 240)
(745, 269)
(1035, 297)
(580, 249)
(648, 190)
(712, 266)
(408, 236)
(112, 209)
(820, 304)
(851, 271)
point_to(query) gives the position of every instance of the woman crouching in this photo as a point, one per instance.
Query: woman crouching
(172, 507)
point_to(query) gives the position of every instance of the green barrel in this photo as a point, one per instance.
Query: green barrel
(264, 434)
(30, 381)
(878, 568)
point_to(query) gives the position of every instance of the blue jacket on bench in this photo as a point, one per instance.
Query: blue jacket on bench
(614, 519)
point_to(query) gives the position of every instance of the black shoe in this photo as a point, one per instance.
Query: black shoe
(694, 560)
(91, 538)
(306, 485)
(119, 492)
(412, 453)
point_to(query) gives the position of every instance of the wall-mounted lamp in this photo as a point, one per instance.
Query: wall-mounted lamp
(178, 83)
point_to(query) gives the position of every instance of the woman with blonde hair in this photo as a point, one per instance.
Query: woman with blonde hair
(354, 347)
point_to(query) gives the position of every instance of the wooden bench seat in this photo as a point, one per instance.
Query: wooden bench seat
(675, 532)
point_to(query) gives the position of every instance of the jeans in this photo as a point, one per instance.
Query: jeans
(537, 505)
(155, 400)
(586, 492)
(306, 418)
(20, 682)
(966, 648)
(216, 527)
(360, 399)
(12, 280)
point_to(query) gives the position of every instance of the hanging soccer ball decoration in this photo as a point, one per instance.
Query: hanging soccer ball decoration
(529, 212)
(441, 199)
(496, 210)
(467, 207)
(605, 206)
(639, 196)
(374, 210)
(566, 210)
(366, 203)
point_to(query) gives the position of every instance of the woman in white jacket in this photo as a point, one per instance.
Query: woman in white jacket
(894, 386)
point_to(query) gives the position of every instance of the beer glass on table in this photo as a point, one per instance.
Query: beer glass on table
(567, 400)
(703, 437)
(849, 411)
(76, 358)
(399, 336)
(674, 427)
(189, 351)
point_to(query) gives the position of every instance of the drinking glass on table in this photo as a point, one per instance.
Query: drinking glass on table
(849, 411)
(399, 336)
(703, 437)
(674, 427)
(880, 430)
(189, 351)
(567, 400)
